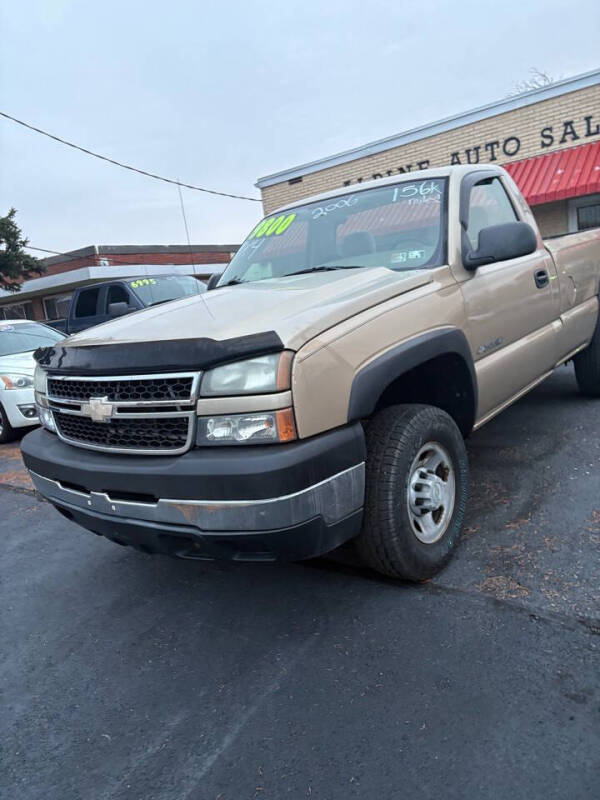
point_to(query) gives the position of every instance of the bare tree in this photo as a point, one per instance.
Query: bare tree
(538, 78)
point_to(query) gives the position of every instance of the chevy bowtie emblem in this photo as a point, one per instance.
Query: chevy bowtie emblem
(98, 409)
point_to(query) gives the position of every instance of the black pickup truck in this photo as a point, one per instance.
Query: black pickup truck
(100, 302)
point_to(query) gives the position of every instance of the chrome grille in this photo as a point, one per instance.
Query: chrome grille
(134, 414)
(123, 390)
(168, 433)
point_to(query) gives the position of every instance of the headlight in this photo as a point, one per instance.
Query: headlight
(253, 376)
(39, 379)
(45, 415)
(14, 381)
(263, 428)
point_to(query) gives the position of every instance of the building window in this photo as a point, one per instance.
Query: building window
(588, 217)
(584, 213)
(17, 311)
(57, 306)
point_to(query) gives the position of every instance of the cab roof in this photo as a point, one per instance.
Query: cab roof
(423, 174)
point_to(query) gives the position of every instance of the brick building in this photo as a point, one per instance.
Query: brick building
(549, 140)
(48, 297)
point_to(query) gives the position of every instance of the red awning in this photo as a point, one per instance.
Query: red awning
(556, 176)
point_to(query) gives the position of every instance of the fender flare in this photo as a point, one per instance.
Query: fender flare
(372, 380)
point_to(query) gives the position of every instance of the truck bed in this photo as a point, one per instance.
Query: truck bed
(577, 255)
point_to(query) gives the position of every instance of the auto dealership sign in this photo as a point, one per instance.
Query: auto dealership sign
(502, 149)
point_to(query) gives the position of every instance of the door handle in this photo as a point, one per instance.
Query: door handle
(541, 278)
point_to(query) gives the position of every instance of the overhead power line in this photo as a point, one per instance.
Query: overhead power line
(126, 166)
(43, 250)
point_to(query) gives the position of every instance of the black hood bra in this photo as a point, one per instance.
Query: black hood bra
(171, 355)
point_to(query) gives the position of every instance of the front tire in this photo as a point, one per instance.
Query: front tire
(416, 491)
(587, 367)
(7, 431)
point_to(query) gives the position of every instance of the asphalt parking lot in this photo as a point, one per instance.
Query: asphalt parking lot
(132, 676)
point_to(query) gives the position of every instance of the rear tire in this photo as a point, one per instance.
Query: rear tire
(587, 367)
(7, 432)
(416, 491)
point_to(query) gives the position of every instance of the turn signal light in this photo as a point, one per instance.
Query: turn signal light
(286, 426)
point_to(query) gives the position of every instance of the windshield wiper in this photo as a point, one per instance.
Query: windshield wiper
(232, 282)
(320, 268)
(323, 268)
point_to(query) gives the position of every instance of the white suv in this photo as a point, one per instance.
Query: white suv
(18, 340)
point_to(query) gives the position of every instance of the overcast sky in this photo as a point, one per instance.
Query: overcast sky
(219, 94)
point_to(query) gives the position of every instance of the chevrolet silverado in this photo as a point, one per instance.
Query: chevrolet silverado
(323, 390)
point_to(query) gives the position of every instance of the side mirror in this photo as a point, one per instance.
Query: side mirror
(500, 243)
(118, 309)
(213, 280)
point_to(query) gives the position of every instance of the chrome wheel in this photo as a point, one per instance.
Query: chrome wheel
(431, 492)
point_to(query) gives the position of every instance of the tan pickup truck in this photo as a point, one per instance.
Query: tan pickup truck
(323, 390)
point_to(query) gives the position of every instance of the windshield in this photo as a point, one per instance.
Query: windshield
(399, 226)
(26, 336)
(152, 291)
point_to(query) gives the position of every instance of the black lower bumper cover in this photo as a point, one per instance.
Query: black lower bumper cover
(310, 539)
(220, 473)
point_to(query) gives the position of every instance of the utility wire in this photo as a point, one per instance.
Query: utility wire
(43, 250)
(126, 166)
(185, 224)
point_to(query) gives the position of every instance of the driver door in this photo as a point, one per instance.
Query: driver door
(511, 306)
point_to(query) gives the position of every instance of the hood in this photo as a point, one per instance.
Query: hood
(296, 308)
(20, 363)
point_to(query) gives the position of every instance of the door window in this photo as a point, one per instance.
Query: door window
(488, 205)
(87, 303)
(116, 294)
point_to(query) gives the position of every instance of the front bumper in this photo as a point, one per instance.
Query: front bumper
(13, 401)
(248, 503)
